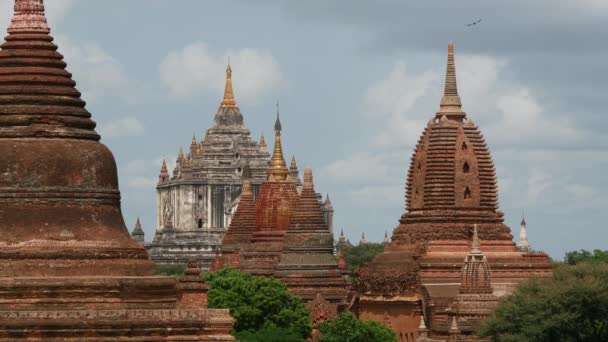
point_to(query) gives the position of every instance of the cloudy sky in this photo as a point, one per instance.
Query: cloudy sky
(357, 81)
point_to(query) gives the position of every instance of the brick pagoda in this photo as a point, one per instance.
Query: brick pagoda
(275, 206)
(451, 186)
(307, 264)
(69, 269)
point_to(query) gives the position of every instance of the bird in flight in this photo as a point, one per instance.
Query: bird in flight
(474, 23)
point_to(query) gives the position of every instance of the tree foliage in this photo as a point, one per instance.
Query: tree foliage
(170, 270)
(260, 306)
(356, 255)
(584, 256)
(347, 328)
(571, 307)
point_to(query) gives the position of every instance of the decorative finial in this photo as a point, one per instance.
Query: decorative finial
(29, 17)
(523, 236)
(277, 124)
(475, 245)
(293, 162)
(163, 168)
(278, 167)
(327, 201)
(386, 240)
(206, 141)
(454, 330)
(450, 102)
(180, 156)
(193, 139)
(262, 140)
(308, 182)
(228, 101)
(341, 232)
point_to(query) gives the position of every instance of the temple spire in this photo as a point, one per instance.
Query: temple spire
(451, 105)
(228, 101)
(29, 17)
(278, 167)
(523, 235)
(475, 245)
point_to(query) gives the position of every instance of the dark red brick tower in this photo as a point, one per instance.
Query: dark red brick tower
(307, 264)
(69, 269)
(451, 187)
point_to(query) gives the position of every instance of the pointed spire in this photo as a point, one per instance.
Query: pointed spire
(363, 241)
(193, 143)
(523, 236)
(138, 232)
(342, 233)
(293, 164)
(454, 330)
(163, 168)
(422, 329)
(29, 17)
(277, 123)
(451, 105)
(180, 155)
(327, 201)
(228, 101)
(262, 145)
(278, 167)
(206, 141)
(386, 240)
(475, 245)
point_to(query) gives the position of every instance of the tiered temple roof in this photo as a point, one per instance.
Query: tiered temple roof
(63, 242)
(275, 206)
(239, 234)
(201, 197)
(138, 232)
(307, 264)
(451, 186)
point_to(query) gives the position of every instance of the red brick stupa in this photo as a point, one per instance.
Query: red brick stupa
(308, 265)
(274, 207)
(69, 270)
(451, 186)
(240, 232)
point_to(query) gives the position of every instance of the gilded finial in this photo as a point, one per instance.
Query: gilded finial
(180, 156)
(278, 167)
(228, 101)
(193, 139)
(450, 102)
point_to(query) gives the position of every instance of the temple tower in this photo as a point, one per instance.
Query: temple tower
(275, 205)
(200, 199)
(307, 264)
(451, 186)
(64, 245)
(138, 233)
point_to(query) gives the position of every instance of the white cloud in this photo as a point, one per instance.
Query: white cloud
(197, 68)
(128, 126)
(539, 182)
(96, 72)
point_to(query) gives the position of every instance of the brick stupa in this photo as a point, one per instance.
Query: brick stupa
(451, 186)
(308, 265)
(240, 232)
(274, 207)
(69, 270)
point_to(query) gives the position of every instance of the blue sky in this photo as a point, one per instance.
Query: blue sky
(357, 81)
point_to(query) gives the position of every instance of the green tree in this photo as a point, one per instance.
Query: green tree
(171, 270)
(259, 305)
(584, 256)
(347, 328)
(268, 333)
(571, 307)
(356, 255)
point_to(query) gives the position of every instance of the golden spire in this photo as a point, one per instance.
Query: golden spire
(193, 139)
(180, 156)
(206, 141)
(228, 101)
(451, 105)
(278, 167)
(199, 149)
